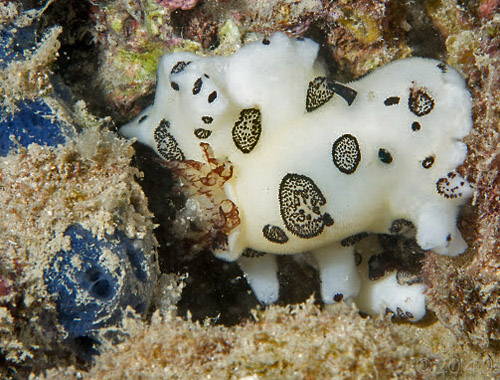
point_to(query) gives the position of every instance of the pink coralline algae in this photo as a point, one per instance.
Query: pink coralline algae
(489, 8)
(178, 4)
(5, 287)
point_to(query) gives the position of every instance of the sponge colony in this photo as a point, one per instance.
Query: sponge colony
(96, 280)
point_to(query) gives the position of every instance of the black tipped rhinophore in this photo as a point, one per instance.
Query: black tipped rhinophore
(345, 92)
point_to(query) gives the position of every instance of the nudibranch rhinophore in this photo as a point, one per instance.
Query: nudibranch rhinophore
(307, 164)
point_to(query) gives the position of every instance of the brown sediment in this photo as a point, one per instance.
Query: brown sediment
(291, 342)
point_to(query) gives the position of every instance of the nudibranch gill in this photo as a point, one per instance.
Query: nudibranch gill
(305, 164)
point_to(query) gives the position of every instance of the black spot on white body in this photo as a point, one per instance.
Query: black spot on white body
(202, 133)
(252, 253)
(318, 93)
(385, 156)
(246, 131)
(391, 101)
(179, 66)
(300, 202)
(166, 144)
(420, 102)
(346, 154)
(274, 234)
(452, 186)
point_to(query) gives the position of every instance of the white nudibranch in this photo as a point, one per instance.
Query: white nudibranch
(306, 164)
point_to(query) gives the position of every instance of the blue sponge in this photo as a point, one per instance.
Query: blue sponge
(34, 121)
(94, 281)
(15, 41)
(97, 279)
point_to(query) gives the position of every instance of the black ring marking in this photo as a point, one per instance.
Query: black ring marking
(207, 119)
(274, 234)
(346, 154)
(166, 144)
(420, 102)
(428, 162)
(246, 131)
(300, 201)
(202, 133)
(318, 93)
(179, 66)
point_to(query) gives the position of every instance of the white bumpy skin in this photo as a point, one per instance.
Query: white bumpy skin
(316, 162)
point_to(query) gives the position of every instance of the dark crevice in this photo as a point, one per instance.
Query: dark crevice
(75, 69)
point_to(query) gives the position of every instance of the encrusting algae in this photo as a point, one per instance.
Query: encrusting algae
(286, 342)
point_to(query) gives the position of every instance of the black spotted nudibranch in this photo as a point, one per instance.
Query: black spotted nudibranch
(313, 164)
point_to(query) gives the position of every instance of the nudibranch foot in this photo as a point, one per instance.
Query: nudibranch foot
(261, 273)
(388, 291)
(338, 273)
